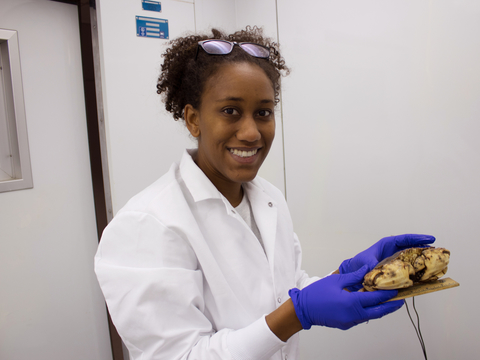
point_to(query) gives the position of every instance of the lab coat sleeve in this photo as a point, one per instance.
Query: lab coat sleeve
(154, 291)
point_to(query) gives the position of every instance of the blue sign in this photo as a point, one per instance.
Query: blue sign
(151, 5)
(152, 27)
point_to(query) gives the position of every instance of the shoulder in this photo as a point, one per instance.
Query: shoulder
(141, 233)
(162, 191)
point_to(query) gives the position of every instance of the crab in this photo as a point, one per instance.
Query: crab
(406, 267)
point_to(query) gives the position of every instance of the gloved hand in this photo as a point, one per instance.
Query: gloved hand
(326, 303)
(383, 249)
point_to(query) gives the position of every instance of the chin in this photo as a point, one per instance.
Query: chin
(247, 177)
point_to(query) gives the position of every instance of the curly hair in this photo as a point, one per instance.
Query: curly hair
(182, 78)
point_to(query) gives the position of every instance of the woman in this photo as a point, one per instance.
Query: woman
(204, 263)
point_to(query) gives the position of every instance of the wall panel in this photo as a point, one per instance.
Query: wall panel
(380, 119)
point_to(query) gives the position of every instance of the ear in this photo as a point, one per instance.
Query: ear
(192, 117)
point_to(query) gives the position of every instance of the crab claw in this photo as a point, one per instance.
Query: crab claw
(394, 275)
(436, 262)
(419, 264)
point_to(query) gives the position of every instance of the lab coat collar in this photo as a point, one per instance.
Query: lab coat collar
(200, 185)
(197, 182)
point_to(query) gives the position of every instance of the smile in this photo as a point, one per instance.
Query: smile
(243, 154)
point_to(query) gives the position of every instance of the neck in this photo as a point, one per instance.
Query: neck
(234, 194)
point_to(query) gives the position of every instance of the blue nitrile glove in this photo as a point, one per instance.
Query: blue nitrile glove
(383, 249)
(326, 303)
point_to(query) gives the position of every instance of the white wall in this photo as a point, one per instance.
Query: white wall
(381, 116)
(215, 14)
(50, 304)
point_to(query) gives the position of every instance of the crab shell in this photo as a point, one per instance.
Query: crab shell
(406, 267)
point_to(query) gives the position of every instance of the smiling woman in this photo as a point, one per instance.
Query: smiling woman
(234, 125)
(191, 265)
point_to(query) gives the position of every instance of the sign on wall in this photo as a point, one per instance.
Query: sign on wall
(152, 27)
(151, 5)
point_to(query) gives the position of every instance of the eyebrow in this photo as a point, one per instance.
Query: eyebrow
(233, 98)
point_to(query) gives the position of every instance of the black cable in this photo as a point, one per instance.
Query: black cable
(418, 323)
(419, 333)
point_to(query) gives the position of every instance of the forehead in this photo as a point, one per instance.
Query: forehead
(239, 80)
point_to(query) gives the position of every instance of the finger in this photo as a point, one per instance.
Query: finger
(377, 311)
(372, 298)
(354, 288)
(371, 264)
(354, 278)
(409, 240)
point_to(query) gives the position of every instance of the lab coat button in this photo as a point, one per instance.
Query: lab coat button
(279, 300)
(270, 204)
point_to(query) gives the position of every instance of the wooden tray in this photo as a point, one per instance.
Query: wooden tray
(425, 288)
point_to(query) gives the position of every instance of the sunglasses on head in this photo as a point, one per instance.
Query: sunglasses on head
(223, 47)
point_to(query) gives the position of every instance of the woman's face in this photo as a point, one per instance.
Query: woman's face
(234, 125)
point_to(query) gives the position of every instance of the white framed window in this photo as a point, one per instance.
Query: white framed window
(15, 168)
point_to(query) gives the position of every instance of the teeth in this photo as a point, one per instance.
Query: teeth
(243, 153)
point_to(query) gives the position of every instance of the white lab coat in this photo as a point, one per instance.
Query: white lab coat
(184, 277)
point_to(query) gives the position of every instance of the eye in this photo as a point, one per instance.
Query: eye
(230, 111)
(264, 113)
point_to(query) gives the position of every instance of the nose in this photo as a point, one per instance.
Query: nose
(248, 130)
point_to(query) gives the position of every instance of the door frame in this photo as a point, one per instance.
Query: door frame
(87, 19)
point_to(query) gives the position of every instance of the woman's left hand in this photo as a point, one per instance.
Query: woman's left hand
(382, 249)
(326, 303)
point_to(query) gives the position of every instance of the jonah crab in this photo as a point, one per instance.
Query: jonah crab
(406, 267)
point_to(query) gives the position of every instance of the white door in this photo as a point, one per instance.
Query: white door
(50, 303)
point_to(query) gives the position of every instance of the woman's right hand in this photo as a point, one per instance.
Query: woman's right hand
(327, 303)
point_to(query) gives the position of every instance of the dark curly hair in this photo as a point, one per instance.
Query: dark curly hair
(182, 78)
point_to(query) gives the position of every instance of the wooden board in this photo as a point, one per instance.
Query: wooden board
(425, 288)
